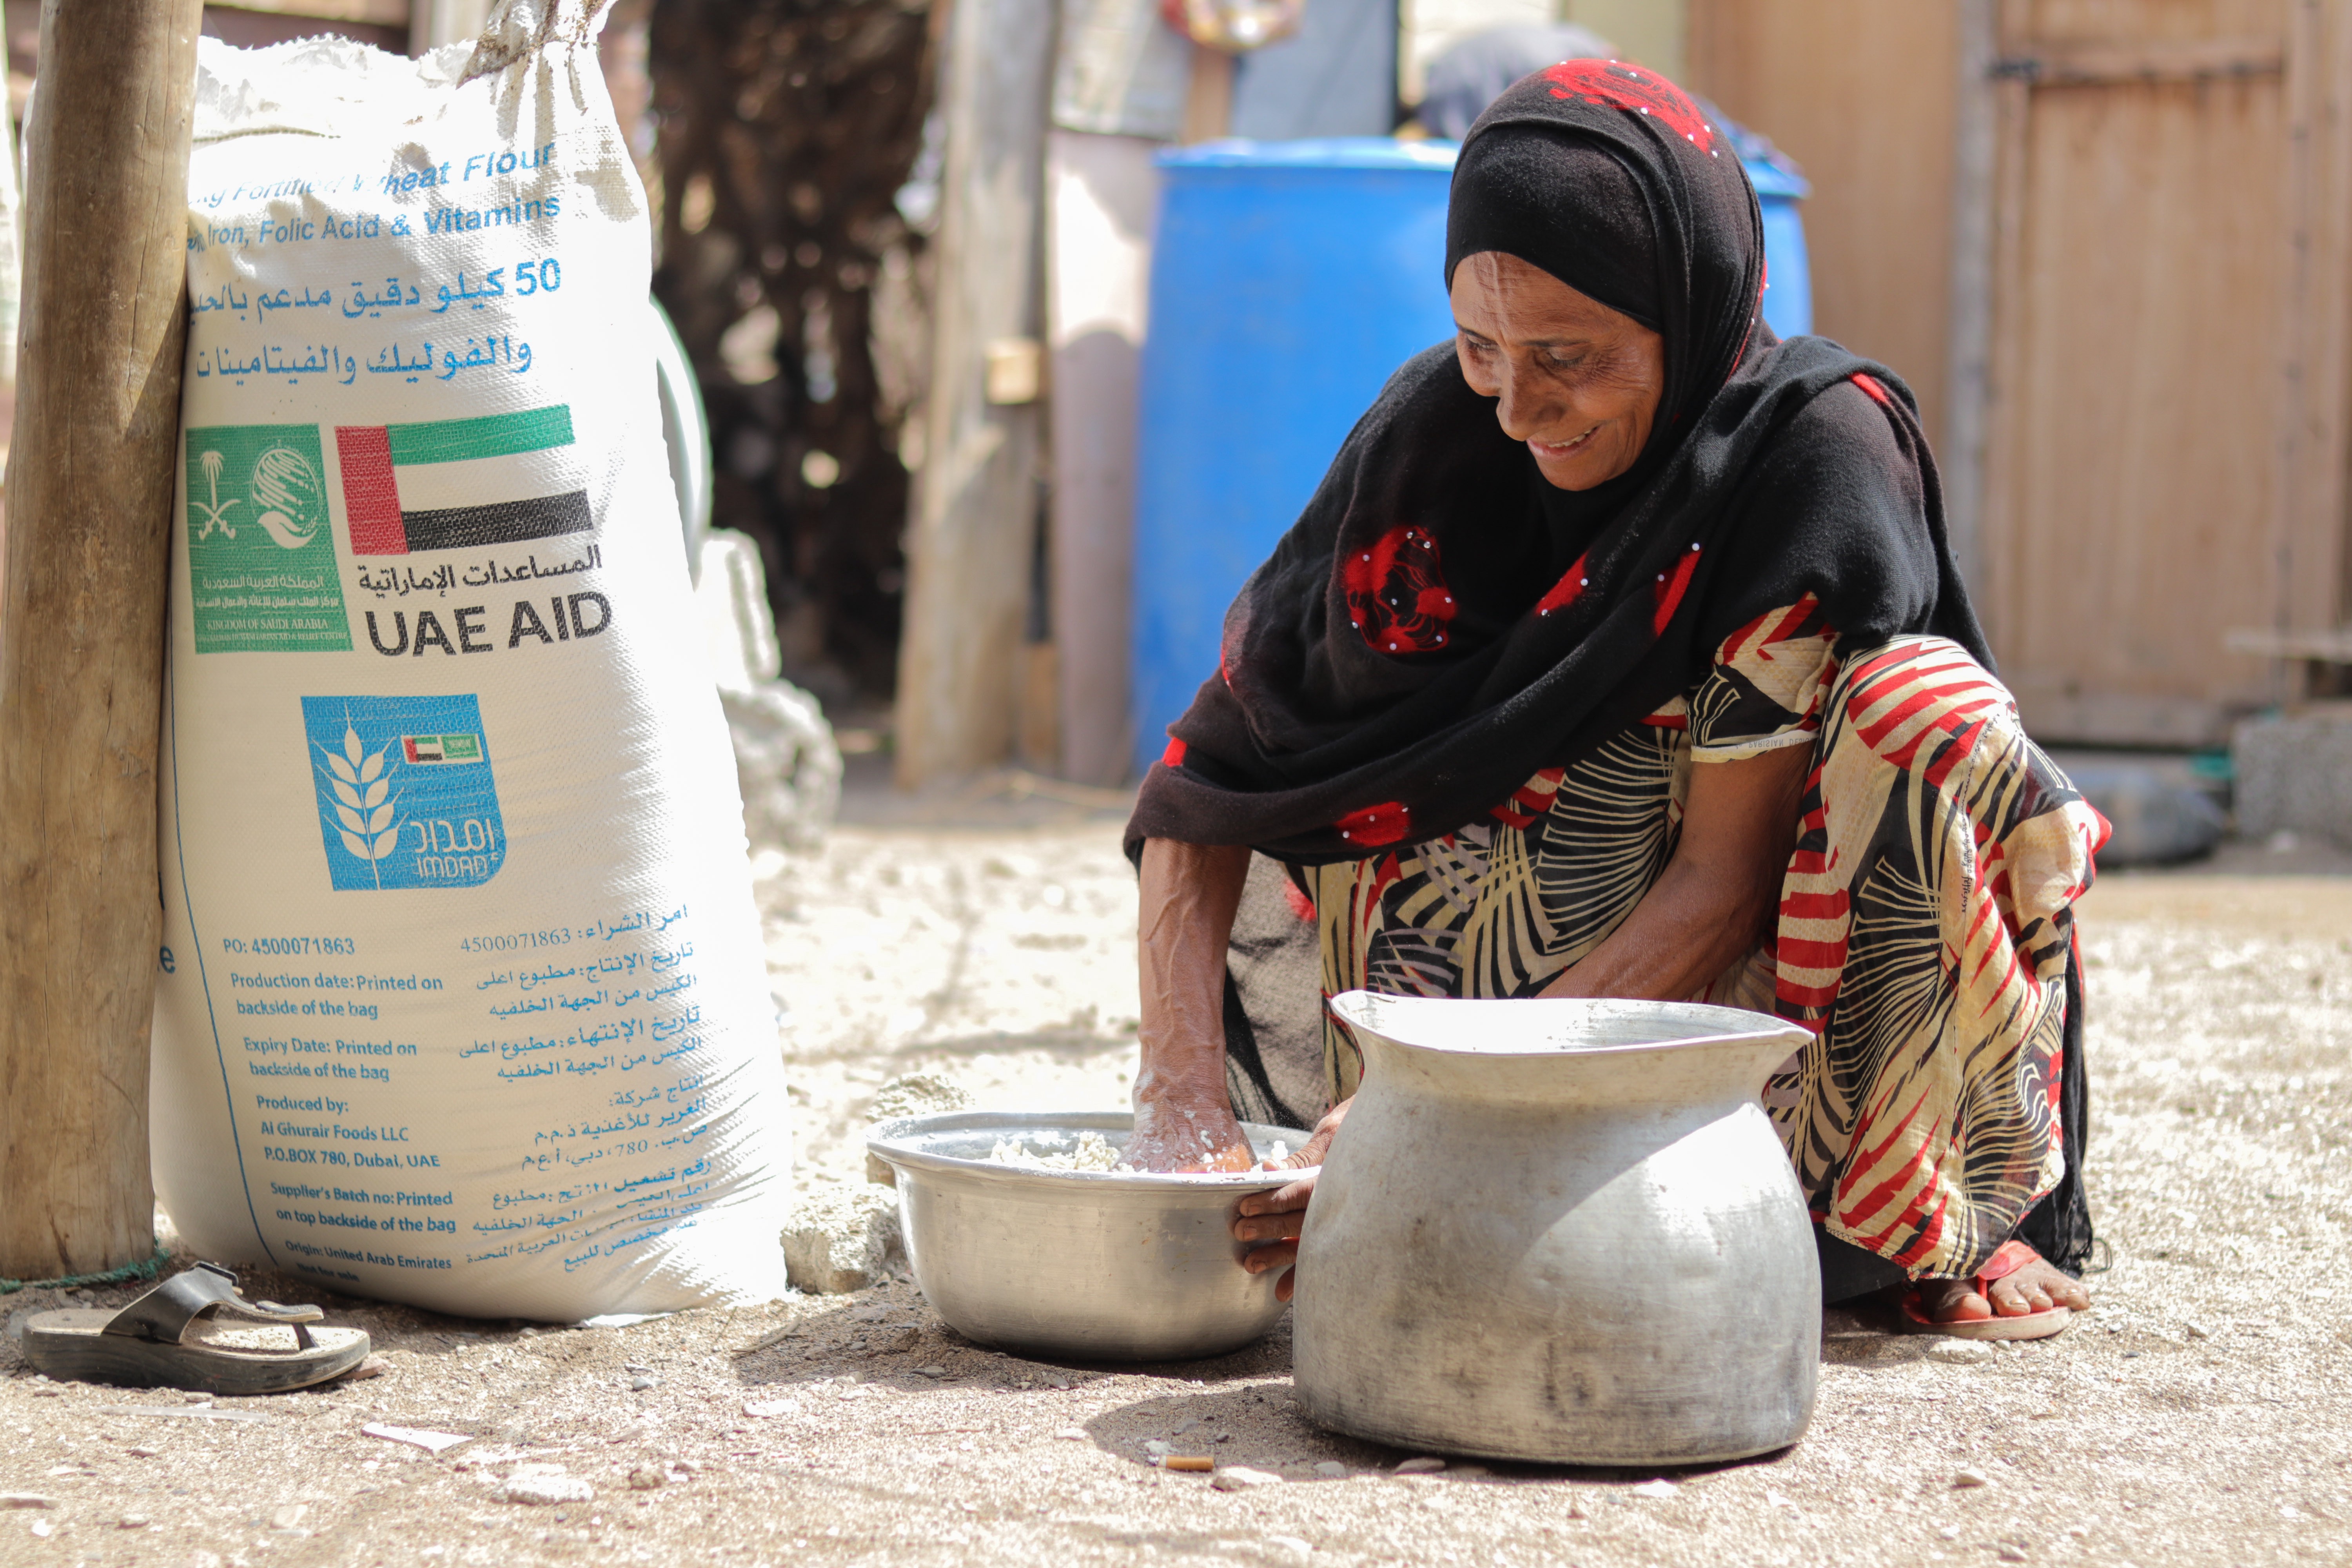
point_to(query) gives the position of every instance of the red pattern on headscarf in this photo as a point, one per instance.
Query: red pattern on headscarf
(1636, 91)
(1374, 826)
(1397, 595)
(1564, 593)
(1669, 589)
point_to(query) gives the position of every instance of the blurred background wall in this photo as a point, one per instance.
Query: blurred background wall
(2106, 242)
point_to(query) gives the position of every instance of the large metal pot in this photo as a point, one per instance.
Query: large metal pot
(1561, 1231)
(1086, 1265)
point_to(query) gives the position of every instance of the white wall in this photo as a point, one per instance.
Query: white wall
(1429, 25)
(1653, 32)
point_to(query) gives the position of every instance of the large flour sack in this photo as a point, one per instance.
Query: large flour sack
(463, 1001)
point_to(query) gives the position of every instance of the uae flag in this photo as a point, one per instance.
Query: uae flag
(446, 749)
(454, 484)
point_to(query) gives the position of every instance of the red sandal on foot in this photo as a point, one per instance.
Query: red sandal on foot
(2011, 1257)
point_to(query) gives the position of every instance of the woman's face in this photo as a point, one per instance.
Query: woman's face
(1577, 382)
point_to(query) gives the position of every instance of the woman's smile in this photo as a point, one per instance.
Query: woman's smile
(1555, 451)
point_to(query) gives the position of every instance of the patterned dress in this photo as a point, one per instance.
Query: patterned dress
(1925, 933)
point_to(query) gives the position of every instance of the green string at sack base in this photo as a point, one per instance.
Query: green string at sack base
(146, 1269)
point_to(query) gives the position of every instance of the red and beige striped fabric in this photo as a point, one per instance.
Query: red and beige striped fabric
(1923, 938)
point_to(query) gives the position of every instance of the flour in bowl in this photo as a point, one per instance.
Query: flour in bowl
(1094, 1152)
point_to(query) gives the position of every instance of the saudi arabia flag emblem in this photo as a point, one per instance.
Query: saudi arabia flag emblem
(457, 484)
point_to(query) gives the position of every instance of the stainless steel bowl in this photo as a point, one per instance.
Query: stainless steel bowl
(1086, 1265)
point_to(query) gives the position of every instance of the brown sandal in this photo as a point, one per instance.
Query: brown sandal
(146, 1344)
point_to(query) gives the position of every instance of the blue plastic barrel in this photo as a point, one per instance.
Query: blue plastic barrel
(1788, 273)
(1289, 279)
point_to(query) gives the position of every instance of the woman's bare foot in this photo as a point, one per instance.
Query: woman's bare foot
(2036, 1287)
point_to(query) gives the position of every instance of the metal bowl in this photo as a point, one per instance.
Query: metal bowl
(1086, 1265)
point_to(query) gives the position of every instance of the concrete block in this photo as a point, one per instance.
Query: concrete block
(2294, 773)
(785, 759)
(786, 765)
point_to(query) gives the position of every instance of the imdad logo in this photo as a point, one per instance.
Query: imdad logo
(406, 798)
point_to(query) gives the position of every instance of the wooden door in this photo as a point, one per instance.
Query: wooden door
(1860, 92)
(2164, 418)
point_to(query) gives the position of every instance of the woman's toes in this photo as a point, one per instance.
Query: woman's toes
(2018, 1298)
(1951, 1302)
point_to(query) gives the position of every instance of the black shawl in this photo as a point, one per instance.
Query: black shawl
(1441, 623)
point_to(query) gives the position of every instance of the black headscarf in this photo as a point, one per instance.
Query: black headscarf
(1442, 623)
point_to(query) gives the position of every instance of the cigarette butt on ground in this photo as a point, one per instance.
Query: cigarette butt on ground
(1188, 1462)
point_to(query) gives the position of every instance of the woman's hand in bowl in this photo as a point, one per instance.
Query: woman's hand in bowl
(1173, 1134)
(1271, 1221)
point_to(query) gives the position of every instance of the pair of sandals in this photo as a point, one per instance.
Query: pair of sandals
(147, 1343)
(159, 1342)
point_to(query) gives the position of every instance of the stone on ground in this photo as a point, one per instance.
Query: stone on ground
(543, 1485)
(785, 759)
(1242, 1479)
(840, 1238)
(2157, 806)
(786, 765)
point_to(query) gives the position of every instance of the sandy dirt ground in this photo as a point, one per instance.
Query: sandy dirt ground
(2202, 1415)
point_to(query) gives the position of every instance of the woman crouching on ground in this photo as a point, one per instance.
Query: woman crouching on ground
(1620, 653)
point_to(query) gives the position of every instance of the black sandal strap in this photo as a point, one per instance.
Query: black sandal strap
(162, 1315)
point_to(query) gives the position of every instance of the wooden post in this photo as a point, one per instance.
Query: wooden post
(971, 534)
(1103, 190)
(1209, 95)
(81, 627)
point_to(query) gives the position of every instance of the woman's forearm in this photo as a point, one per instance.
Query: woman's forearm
(1188, 897)
(1716, 896)
(1688, 929)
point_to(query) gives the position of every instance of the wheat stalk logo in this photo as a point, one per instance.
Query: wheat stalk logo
(371, 828)
(212, 462)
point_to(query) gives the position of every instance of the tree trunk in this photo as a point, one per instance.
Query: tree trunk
(81, 627)
(972, 534)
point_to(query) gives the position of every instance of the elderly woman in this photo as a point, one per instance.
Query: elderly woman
(1620, 653)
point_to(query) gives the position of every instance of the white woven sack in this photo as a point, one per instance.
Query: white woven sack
(463, 1001)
